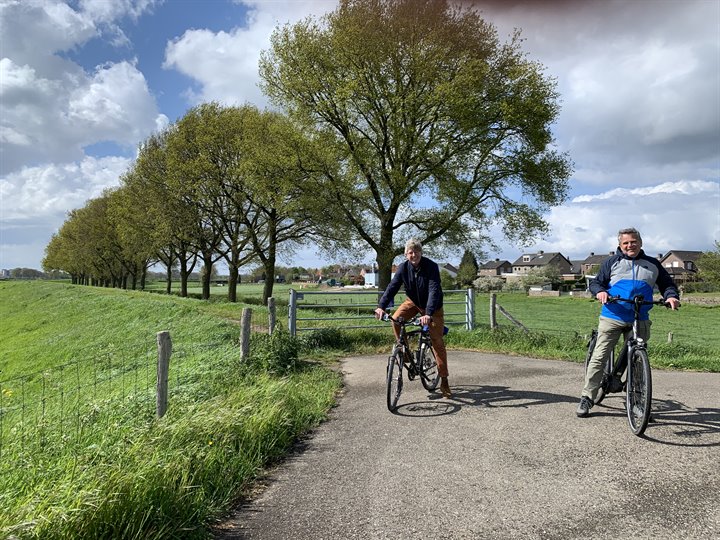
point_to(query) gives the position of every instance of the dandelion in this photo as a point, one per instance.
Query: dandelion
(7, 392)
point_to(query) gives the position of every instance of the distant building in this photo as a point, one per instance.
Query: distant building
(535, 261)
(681, 265)
(495, 268)
(450, 269)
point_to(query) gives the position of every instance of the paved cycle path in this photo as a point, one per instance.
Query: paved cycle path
(505, 458)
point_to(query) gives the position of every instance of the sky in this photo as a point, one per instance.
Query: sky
(82, 83)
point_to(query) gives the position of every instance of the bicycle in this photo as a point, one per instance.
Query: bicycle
(420, 362)
(638, 377)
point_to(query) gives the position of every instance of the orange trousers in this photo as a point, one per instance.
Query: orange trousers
(407, 310)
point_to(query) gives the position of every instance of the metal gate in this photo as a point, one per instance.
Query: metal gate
(349, 307)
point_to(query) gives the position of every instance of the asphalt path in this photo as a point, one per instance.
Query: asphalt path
(504, 458)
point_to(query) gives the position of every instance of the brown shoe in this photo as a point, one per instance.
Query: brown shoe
(445, 387)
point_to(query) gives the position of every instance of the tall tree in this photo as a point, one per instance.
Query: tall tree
(169, 216)
(275, 188)
(468, 269)
(426, 125)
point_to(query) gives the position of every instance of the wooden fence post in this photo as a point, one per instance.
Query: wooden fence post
(493, 300)
(245, 333)
(164, 344)
(271, 315)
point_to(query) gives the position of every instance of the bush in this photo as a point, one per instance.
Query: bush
(276, 353)
(488, 283)
(701, 287)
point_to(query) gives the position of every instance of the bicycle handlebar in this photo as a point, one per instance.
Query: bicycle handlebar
(412, 322)
(639, 300)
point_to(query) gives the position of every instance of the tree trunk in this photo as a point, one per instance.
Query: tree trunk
(207, 275)
(232, 283)
(384, 258)
(233, 273)
(269, 267)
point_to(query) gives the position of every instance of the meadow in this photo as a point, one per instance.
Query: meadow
(114, 470)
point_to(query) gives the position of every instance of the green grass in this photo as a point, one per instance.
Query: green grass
(116, 471)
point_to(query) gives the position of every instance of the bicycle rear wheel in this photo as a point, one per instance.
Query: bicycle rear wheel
(394, 380)
(429, 374)
(639, 391)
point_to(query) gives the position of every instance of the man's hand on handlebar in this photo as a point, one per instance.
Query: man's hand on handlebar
(379, 312)
(425, 320)
(672, 303)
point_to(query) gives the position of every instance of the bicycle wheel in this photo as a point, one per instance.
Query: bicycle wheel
(429, 374)
(590, 348)
(639, 391)
(394, 380)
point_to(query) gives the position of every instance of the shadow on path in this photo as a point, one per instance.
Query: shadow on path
(684, 426)
(479, 396)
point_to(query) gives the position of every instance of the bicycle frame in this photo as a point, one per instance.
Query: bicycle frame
(420, 363)
(638, 396)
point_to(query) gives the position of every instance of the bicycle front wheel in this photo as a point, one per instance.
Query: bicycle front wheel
(429, 374)
(394, 380)
(639, 391)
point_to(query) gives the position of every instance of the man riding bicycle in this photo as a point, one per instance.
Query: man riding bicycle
(421, 278)
(626, 274)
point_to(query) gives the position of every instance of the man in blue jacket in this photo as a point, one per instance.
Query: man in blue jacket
(421, 278)
(627, 273)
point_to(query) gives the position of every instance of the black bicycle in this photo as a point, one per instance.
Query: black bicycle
(637, 381)
(419, 362)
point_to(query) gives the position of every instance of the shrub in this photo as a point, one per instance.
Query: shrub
(276, 353)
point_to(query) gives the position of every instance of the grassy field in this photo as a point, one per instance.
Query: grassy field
(115, 471)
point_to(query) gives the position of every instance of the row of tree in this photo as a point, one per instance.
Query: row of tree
(394, 119)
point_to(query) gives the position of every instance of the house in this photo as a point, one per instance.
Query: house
(371, 277)
(591, 263)
(681, 265)
(535, 261)
(450, 269)
(495, 268)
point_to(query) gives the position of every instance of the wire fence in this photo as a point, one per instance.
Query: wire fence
(69, 403)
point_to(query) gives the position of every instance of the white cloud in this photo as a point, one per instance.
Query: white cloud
(48, 192)
(35, 202)
(225, 64)
(682, 215)
(50, 108)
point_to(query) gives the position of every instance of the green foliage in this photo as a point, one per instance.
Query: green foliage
(540, 276)
(437, 108)
(709, 265)
(276, 353)
(467, 271)
(488, 283)
(446, 280)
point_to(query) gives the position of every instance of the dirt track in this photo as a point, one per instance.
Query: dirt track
(504, 458)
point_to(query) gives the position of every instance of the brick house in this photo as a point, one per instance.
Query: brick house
(681, 265)
(495, 268)
(534, 261)
(587, 265)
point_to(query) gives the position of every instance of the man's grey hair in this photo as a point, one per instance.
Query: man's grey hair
(413, 244)
(630, 230)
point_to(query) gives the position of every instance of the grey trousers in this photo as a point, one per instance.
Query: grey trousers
(609, 332)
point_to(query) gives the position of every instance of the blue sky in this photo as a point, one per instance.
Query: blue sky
(83, 82)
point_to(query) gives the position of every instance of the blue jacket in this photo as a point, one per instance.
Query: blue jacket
(422, 286)
(620, 275)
